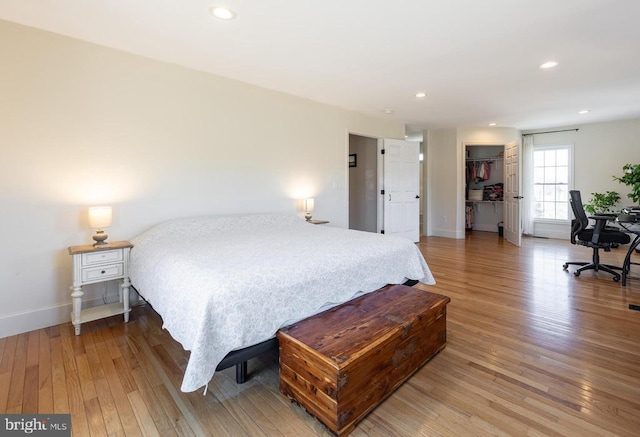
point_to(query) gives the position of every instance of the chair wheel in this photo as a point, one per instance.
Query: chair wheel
(616, 278)
(576, 273)
(565, 267)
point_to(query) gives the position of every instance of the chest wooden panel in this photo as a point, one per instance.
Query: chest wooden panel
(340, 364)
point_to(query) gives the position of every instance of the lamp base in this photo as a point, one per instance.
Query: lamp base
(100, 236)
(307, 216)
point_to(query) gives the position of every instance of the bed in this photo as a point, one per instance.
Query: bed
(223, 283)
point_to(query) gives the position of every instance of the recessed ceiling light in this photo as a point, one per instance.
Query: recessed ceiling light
(584, 111)
(492, 124)
(388, 111)
(223, 13)
(549, 64)
(421, 95)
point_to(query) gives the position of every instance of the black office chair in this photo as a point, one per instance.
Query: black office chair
(598, 237)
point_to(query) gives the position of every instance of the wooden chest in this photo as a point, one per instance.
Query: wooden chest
(340, 364)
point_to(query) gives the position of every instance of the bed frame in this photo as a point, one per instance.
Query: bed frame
(240, 357)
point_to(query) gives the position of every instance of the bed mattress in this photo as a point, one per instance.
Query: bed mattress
(222, 283)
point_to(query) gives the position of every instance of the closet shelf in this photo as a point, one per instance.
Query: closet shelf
(484, 201)
(488, 158)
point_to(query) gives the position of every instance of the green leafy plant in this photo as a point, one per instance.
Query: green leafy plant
(631, 178)
(602, 203)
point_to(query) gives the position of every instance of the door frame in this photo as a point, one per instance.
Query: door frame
(380, 185)
(462, 165)
(379, 177)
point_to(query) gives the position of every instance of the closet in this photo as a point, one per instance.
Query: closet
(484, 188)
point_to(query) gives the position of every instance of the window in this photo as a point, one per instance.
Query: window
(551, 177)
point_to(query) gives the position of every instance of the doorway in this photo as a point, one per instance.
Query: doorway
(384, 186)
(506, 212)
(363, 183)
(484, 187)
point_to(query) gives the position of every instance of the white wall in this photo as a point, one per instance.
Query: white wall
(600, 150)
(84, 125)
(441, 165)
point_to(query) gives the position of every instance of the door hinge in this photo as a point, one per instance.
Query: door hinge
(382, 192)
(382, 231)
(382, 152)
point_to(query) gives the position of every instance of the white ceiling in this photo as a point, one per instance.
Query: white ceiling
(476, 59)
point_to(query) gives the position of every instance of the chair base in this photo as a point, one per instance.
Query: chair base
(594, 266)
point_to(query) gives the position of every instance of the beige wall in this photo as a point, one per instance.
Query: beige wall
(83, 125)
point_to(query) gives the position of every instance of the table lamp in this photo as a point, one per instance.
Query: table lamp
(308, 208)
(99, 218)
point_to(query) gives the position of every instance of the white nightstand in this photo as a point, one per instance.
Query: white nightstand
(92, 264)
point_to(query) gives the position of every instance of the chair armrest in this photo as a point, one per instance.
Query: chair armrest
(601, 221)
(603, 217)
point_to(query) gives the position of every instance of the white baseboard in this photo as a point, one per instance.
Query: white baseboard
(18, 323)
(447, 233)
(558, 235)
(560, 231)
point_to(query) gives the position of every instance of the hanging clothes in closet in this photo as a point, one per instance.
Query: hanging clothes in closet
(468, 217)
(478, 171)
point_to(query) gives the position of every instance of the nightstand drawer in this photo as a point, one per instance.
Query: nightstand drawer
(103, 273)
(101, 257)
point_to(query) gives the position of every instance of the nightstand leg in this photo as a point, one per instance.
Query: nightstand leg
(125, 297)
(76, 297)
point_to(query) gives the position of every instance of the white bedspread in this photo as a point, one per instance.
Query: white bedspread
(221, 283)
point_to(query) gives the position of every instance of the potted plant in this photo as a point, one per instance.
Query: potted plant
(602, 203)
(631, 178)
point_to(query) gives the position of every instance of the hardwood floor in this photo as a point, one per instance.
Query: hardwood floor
(532, 350)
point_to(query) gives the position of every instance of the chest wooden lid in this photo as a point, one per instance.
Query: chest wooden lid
(341, 332)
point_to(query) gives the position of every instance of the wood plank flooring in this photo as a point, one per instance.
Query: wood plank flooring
(532, 351)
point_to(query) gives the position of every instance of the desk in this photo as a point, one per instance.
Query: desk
(630, 222)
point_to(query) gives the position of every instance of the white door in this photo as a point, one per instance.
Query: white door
(401, 187)
(512, 196)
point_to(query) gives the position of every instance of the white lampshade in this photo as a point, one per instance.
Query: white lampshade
(99, 217)
(308, 209)
(308, 205)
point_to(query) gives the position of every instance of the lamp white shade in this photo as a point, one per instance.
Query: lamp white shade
(308, 205)
(99, 217)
